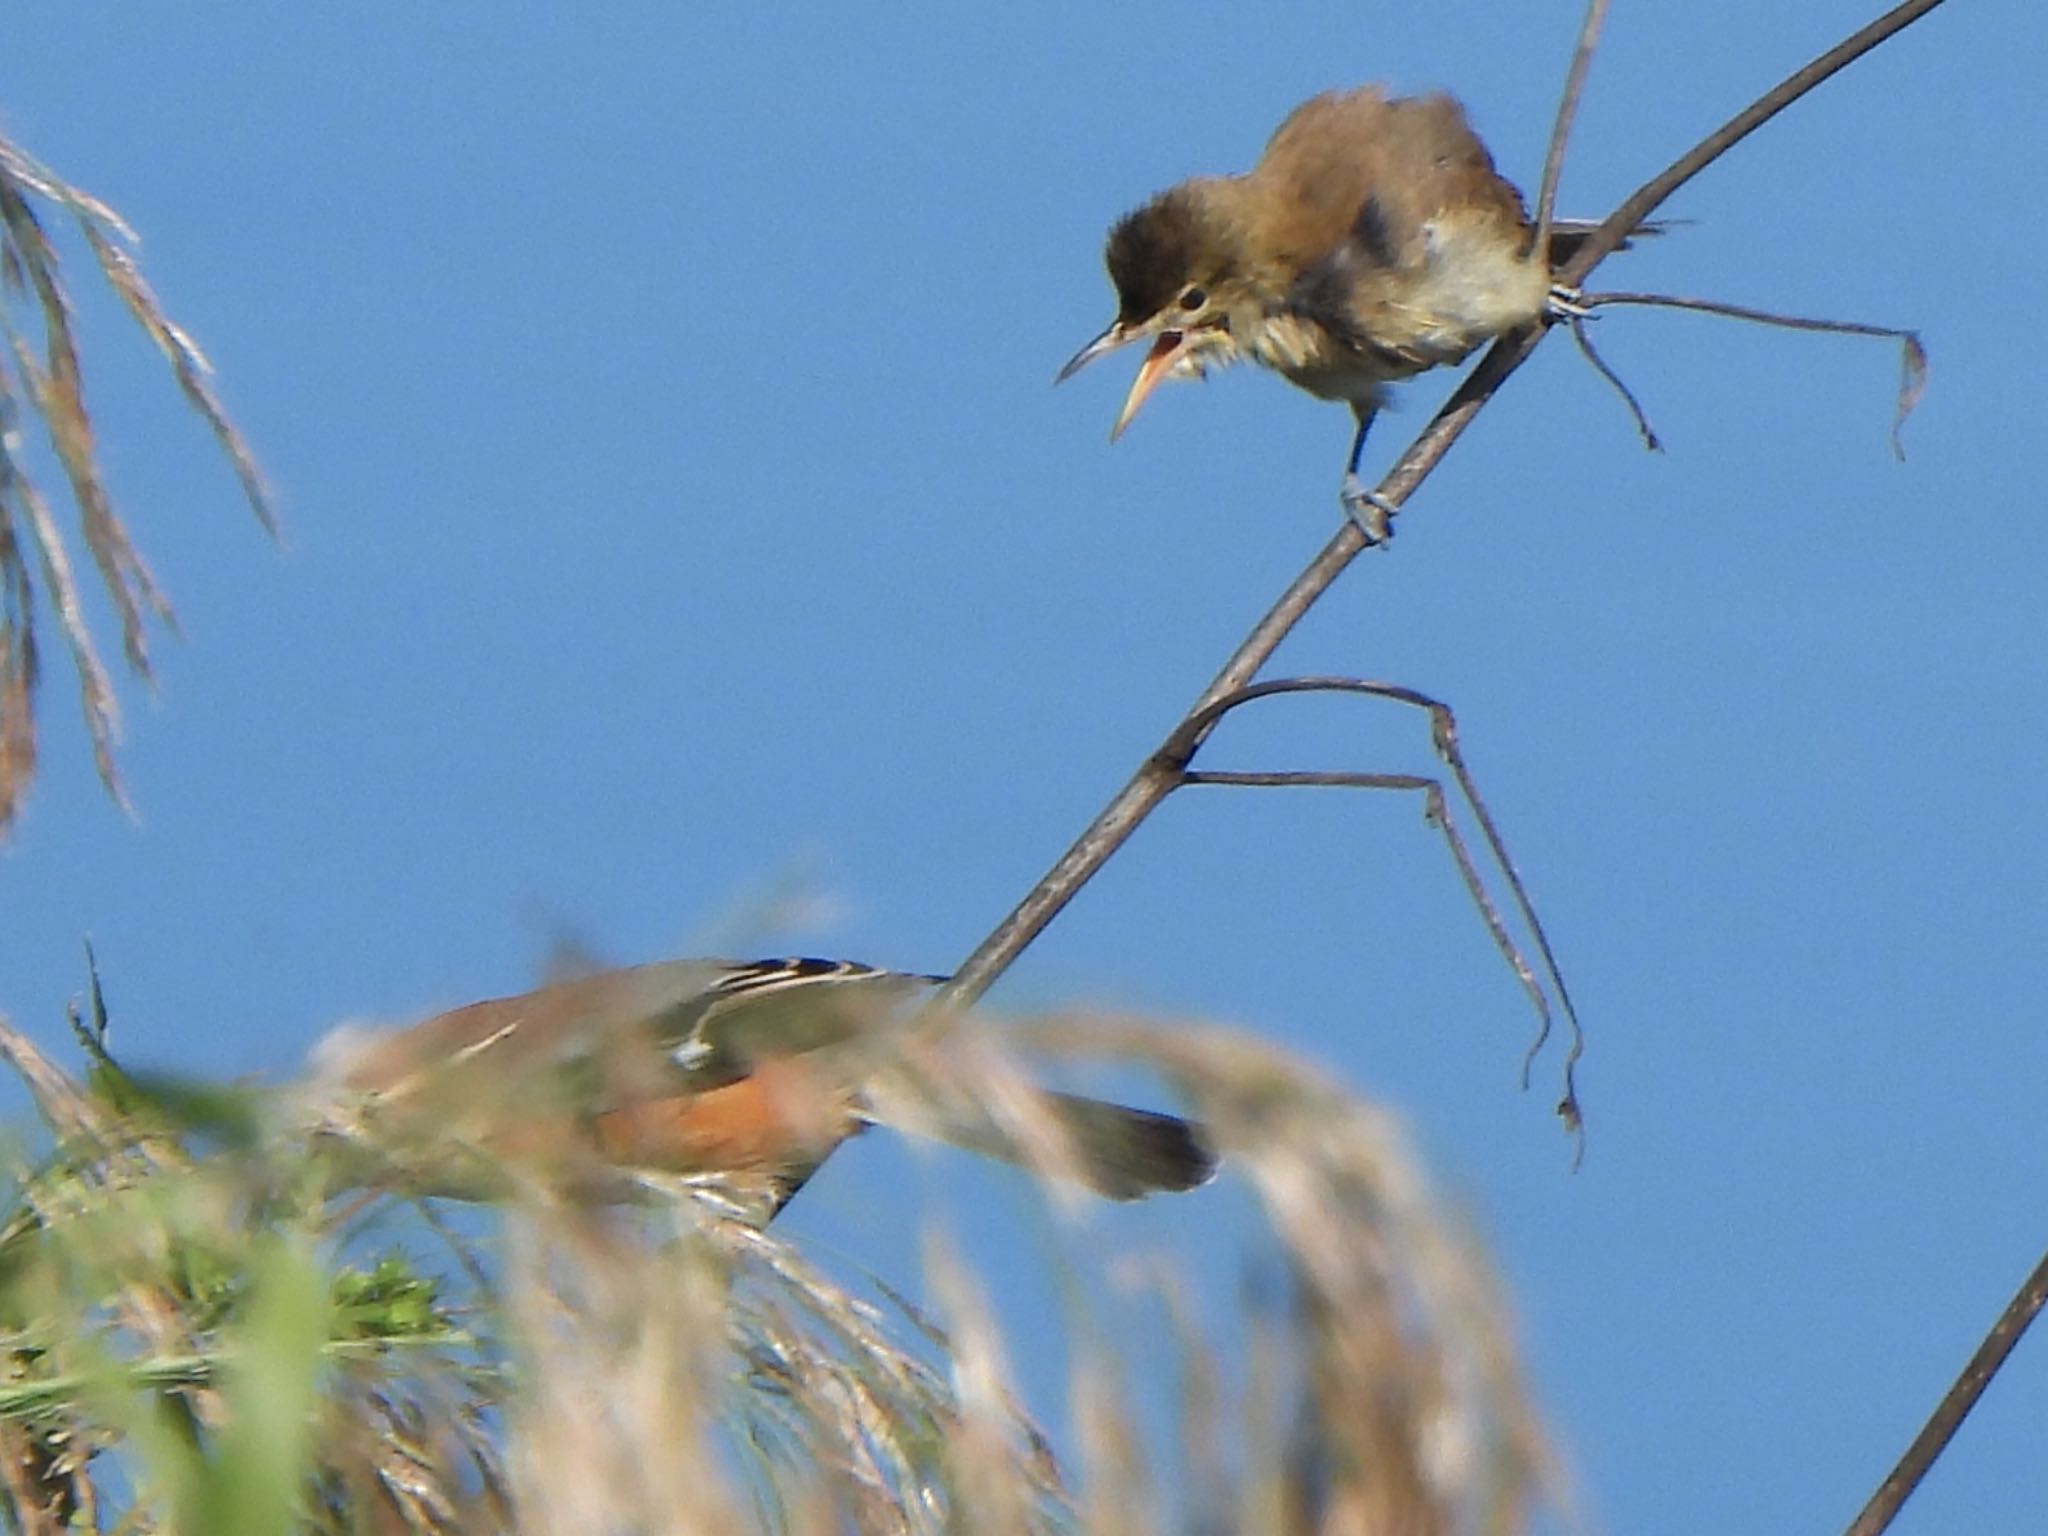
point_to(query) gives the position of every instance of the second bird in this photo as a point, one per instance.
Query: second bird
(1373, 240)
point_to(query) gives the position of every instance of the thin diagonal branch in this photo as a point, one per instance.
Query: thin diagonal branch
(1157, 775)
(1955, 1405)
(1647, 198)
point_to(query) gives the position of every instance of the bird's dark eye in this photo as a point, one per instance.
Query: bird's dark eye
(1193, 298)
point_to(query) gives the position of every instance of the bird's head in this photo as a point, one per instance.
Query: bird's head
(1182, 285)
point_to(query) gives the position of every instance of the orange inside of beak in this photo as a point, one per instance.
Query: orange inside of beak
(1158, 362)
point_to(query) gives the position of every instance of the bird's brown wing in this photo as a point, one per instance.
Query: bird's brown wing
(773, 1010)
(1449, 169)
(689, 1066)
(1353, 167)
(690, 1025)
(1413, 157)
(1330, 177)
(1362, 192)
(507, 1038)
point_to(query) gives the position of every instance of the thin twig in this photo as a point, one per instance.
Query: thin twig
(1955, 1405)
(1912, 366)
(1444, 734)
(1747, 312)
(1628, 396)
(1567, 110)
(1437, 812)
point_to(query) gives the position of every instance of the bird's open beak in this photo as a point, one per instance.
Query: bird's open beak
(1167, 349)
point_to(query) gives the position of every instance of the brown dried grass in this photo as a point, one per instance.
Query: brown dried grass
(43, 382)
(195, 1340)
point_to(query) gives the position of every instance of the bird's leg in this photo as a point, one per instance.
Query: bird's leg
(1564, 302)
(1373, 513)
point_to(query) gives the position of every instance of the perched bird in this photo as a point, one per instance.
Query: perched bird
(1373, 240)
(753, 1071)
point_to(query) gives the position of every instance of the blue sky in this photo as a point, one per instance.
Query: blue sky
(680, 515)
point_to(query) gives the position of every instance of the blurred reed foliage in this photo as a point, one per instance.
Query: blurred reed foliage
(43, 385)
(204, 1330)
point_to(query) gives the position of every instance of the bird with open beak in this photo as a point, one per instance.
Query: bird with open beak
(1373, 240)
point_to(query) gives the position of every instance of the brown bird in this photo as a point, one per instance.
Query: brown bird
(754, 1071)
(1373, 240)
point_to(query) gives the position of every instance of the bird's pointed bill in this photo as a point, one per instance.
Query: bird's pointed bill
(1106, 343)
(1170, 347)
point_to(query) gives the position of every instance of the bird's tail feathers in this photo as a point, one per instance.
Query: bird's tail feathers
(1120, 1153)
(1567, 235)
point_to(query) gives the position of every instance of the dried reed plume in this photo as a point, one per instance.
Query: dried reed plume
(43, 380)
(201, 1335)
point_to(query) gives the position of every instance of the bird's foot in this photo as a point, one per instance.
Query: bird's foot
(1565, 302)
(1373, 513)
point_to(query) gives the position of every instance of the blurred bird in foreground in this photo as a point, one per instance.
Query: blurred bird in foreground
(750, 1072)
(1373, 240)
